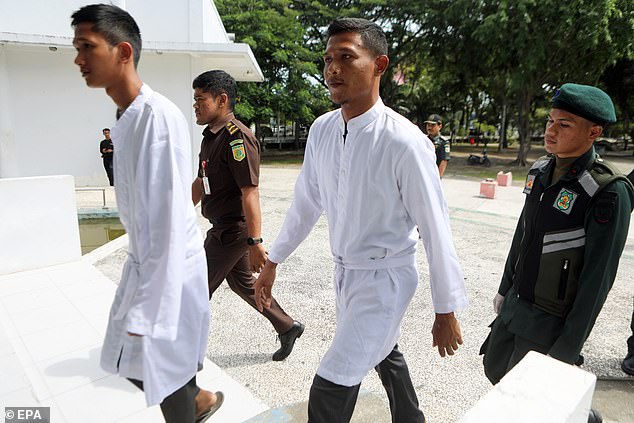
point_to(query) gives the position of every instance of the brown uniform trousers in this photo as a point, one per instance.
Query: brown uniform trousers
(228, 258)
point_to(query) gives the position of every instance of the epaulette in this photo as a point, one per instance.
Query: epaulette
(541, 162)
(232, 127)
(604, 173)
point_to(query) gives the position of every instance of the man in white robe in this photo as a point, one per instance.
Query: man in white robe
(373, 173)
(159, 320)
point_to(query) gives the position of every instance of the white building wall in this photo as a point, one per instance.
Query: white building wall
(59, 119)
(33, 235)
(191, 21)
(50, 121)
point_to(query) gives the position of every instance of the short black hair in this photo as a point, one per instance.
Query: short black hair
(372, 34)
(217, 82)
(105, 129)
(115, 24)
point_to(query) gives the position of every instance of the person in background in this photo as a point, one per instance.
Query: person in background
(433, 125)
(106, 148)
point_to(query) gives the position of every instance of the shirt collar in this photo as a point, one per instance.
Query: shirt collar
(365, 118)
(219, 125)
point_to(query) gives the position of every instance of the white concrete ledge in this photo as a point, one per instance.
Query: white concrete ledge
(538, 389)
(38, 223)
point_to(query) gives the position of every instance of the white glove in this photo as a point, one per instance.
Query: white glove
(497, 303)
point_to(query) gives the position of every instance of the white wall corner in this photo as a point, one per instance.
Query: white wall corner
(38, 223)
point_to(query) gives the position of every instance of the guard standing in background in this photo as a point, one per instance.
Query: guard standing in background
(433, 125)
(107, 149)
(227, 184)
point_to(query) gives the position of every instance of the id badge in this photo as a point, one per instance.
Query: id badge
(206, 185)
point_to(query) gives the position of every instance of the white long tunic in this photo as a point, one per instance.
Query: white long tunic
(163, 294)
(375, 189)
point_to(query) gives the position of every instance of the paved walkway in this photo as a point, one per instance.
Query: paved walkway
(241, 342)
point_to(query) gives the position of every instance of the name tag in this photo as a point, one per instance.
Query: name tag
(206, 185)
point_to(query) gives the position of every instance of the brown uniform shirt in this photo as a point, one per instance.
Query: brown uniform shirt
(231, 160)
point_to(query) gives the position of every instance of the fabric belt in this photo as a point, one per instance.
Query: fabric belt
(227, 219)
(373, 264)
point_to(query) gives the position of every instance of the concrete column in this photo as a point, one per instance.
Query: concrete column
(8, 159)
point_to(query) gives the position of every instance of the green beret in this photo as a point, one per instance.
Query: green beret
(586, 101)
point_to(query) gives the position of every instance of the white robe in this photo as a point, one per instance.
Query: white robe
(163, 294)
(375, 190)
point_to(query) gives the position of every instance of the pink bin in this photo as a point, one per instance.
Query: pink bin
(505, 179)
(487, 188)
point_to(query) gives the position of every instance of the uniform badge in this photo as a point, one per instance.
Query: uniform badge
(565, 200)
(238, 141)
(530, 180)
(447, 148)
(238, 152)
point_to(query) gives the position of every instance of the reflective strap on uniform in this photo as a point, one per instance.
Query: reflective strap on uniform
(563, 236)
(588, 183)
(567, 245)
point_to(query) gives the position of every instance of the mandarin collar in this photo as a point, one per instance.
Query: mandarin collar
(582, 163)
(363, 119)
(145, 92)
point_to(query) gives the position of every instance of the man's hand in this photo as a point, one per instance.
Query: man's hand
(497, 303)
(257, 257)
(446, 334)
(264, 285)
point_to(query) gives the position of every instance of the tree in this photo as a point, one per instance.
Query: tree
(619, 82)
(547, 43)
(279, 42)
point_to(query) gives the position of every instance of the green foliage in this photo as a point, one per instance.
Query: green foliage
(275, 34)
(471, 61)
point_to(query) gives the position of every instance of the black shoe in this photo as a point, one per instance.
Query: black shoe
(628, 364)
(594, 416)
(287, 340)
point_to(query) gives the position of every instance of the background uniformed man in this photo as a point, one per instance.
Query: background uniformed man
(107, 149)
(433, 125)
(227, 183)
(628, 362)
(567, 245)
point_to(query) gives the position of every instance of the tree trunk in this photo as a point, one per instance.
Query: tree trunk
(503, 138)
(524, 128)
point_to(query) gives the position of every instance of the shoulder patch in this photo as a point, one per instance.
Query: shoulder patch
(238, 141)
(238, 152)
(541, 162)
(604, 209)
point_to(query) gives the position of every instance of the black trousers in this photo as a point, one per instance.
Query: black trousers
(630, 340)
(332, 403)
(107, 164)
(180, 406)
(503, 350)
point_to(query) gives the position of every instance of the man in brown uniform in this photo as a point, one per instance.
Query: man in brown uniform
(227, 183)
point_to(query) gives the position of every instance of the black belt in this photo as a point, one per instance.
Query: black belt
(227, 219)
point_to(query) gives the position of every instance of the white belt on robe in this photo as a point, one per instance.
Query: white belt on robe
(373, 264)
(132, 284)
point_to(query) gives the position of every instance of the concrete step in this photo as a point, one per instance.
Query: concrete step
(369, 408)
